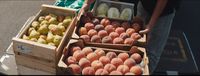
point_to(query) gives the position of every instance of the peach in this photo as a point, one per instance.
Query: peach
(99, 52)
(86, 19)
(136, 36)
(105, 22)
(137, 27)
(130, 31)
(86, 38)
(99, 27)
(96, 39)
(136, 70)
(115, 24)
(110, 67)
(113, 35)
(95, 21)
(84, 62)
(134, 49)
(97, 65)
(109, 28)
(71, 60)
(118, 40)
(116, 61)
(129, 41)
(78, 55)
(101, 72)
(130, 62)
(129, 73)
(111, 55)
(88, 71)
(125, 25)
(89, 26)
(107, 39)
(102, 33)
(76, 69)
(87, 50)
(137, 57)
(115, 73)
(124, 36)
(123, 69)
(123, 56)
(92, 32)
(75, 48)
(83, 31)
(119, 30)
(104, 60)
(92, 56)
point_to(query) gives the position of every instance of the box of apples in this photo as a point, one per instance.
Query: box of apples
(40, 43)
(109, 33)
(81, 59)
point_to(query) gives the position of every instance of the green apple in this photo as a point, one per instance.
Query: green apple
(43, 29)
(30, 29)
(51, 26)
(52, 15)
(53, 20)
(56, 30)
(62, 28)
(50, 37)
(44, 22)
(66, 22)
(42, 41)
(34, 34)
(60, 24)
(57, 39)
(34, 39)
(43, 36)
(25, 37)
(41, 18)
(35, 24)
(48, 17)
(52, 44)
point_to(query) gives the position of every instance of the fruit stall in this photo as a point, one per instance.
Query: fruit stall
(103, 41)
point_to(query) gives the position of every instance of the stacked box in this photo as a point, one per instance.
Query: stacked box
(42, 56)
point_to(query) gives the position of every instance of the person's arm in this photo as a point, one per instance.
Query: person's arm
(160, 5)
(87, 4)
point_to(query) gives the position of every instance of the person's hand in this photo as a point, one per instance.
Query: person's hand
(146, 30)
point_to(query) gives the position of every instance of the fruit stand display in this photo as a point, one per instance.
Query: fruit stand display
(39, 45)
(101, 42)
(79, 58)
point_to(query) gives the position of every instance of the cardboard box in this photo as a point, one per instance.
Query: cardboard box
(41, 56)
(119, 5)
(67, 52)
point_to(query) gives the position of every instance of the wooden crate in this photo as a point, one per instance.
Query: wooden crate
(30, 54)
(117, 4)
(141, 42)
(67, 53)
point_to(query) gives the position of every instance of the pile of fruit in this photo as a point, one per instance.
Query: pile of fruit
(88, 61)
(103, 10)
(107, 31)
(48, 29)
